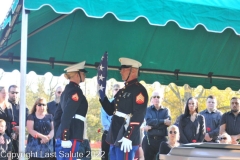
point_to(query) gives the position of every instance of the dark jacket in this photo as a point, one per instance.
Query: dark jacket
(212, 121)
(155, 119)
(131, 99)
(72, 102)
(191, 132)
(52, 107)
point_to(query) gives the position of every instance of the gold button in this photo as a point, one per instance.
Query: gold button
(116, 105)
(114, 113)
(128, 131)
(117, 99)
(127, 136)
(65, 135)
(116, 109)
(119, 95)
(65, 139)
(131, 127)
(126, 83)
(65, 131)
(122, 91)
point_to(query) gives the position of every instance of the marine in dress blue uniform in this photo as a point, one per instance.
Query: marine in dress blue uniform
(128, 110)
(70, 115)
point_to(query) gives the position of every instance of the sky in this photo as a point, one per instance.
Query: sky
(4, 8)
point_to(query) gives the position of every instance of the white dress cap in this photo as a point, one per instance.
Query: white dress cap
(76, 67)
(129, 62)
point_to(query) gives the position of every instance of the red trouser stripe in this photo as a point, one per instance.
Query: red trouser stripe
(73, 148)
(126, 156)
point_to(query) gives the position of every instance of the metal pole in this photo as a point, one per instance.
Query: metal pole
(23, 68)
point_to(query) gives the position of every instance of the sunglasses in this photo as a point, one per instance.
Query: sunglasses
(171, 132)
(14, 92)
(223, 138)
(156, 97)
(235, 103)
(59, 92)
(41, 104)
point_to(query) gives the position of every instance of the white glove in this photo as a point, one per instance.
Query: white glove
(126, 144)
(66, 144)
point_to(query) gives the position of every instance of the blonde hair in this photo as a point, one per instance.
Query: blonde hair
(176, 129)
(228, 140)
(3, 121)
(7, 104)
(69, 75)
(35, 104)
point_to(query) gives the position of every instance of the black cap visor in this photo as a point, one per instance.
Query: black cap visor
(83, 70)
(124, 66)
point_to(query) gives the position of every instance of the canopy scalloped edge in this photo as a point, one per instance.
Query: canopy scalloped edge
(141, 81)
(135, 18)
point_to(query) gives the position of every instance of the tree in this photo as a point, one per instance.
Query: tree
(93, 119)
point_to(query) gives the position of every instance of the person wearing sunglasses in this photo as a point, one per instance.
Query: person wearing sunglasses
(173, 138)
(230, 121)
(70, 116)
(13, 98)
(41, 132)
(52, 106)
(157, 119)
(212, 119)
(106, 121)
(192, 126)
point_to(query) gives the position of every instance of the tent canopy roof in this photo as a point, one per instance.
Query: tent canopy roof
(168, 53)
(214, 15)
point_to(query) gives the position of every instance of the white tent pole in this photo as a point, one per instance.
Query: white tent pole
(23, 68)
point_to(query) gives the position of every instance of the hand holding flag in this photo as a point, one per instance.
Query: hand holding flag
(102, 75)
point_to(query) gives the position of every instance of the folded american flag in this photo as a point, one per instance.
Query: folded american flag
(102, 75)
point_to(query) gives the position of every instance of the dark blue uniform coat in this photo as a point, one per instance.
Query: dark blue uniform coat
(131, 99)
(72, 102)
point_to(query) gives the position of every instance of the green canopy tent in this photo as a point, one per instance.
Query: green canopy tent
(185, 42)
(181, 41)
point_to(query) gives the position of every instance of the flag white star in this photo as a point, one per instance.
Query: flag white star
(101, 67)
(101, 88)
(101, 77)
(102, 58)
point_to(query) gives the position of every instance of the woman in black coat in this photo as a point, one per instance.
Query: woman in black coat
(192, 126)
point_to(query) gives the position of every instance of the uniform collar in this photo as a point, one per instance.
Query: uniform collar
(75, 84)
(131, 82)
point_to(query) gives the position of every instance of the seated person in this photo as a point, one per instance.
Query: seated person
(173, 137)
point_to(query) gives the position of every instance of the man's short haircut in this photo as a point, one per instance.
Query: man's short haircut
(116, 85)
(211, 97)
(235, 98)
(12, 86)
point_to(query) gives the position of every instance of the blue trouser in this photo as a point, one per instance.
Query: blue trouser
(67, 153)
(115, 153)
